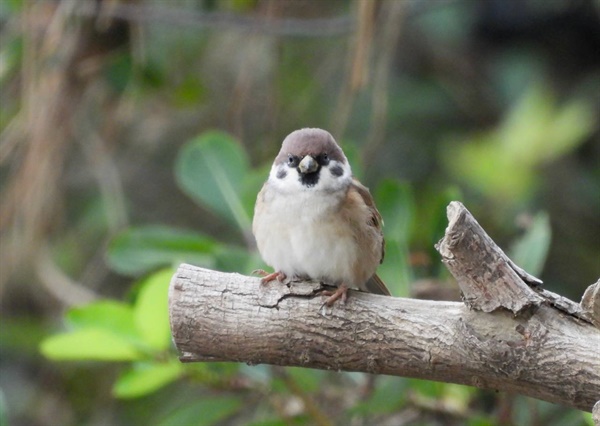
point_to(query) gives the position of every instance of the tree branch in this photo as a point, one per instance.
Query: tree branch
(489, 280)
(187, 17)
(532, 346)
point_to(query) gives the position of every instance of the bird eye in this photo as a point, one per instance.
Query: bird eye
(323, 159)
(292, 160)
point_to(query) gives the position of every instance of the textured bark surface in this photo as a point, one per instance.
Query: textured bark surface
(487, 278)
(590, 303)
(510, 335)
(548, 355)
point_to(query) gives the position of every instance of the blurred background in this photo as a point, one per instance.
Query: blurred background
(136, 134)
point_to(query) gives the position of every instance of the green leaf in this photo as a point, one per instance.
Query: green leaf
(395, 270)
(571, 126)
(504, 161)
(237, 259)
(537, 130)
(432, 222)
(211, 169)
(206, 411)
(145, 378)
(520, 137)
(396, 204)
(253, 182)
(482, 163)
(530, 251)
(389, 395)
(587, 419)
(89, 344)
(457, 397)
(427, 388)
(151, 310)
(110, 315)
(140, 250)
(306, 379)
(213, 373)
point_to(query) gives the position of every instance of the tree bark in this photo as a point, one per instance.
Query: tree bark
(541, 345)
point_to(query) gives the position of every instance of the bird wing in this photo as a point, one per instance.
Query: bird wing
(376, 220)
(374, 284)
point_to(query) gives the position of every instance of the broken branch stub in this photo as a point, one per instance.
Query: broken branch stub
(590, 303)
(488, 279)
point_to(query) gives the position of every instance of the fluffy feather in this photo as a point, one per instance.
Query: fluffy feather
(326, 227)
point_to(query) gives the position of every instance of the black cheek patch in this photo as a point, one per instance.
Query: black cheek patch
(281, 173)
(336, 171)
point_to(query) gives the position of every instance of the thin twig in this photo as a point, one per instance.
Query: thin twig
(293, 27)
(393, 13)
(357, 55)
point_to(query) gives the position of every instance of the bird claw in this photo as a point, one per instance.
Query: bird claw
(340, 293)
(268, 277)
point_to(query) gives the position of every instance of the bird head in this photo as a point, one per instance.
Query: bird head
(310, 159)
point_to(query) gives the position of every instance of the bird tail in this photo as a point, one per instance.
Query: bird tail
(376, 286)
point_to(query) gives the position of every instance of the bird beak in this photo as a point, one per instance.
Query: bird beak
(308, 165)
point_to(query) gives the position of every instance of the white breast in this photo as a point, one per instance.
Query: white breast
(300, 234)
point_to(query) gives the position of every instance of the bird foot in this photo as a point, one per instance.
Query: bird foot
(340, 293)
(268, 277)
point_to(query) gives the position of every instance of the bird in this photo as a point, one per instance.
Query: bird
(314, 220)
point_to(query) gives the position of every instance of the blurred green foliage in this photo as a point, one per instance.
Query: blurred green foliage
(531, 249)
(142, 249)
(505, 162)
(171, 121)
(109, 330)
(213, 169)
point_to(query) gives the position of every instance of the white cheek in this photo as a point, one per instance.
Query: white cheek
(290, 182)
(330, 182)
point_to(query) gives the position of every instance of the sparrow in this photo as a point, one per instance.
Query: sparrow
(314, 220)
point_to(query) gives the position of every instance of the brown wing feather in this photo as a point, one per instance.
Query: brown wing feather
(376, 219)
(374, 284)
